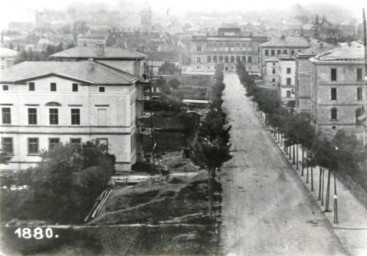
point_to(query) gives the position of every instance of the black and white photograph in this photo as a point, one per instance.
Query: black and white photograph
(183, 128)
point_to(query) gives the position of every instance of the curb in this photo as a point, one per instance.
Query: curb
(305, 188)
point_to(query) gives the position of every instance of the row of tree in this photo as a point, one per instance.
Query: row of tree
(211, 147)
(343, 154)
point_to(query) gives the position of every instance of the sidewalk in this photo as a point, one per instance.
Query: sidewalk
(352, 215)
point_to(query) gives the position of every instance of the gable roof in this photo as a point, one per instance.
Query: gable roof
(353, 51)
(314, 50)
(88, 72)
(86, 52)
(290, 42)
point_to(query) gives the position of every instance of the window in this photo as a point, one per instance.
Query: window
(244, 59)
(5, 87)
(274, 71)
(209, 59)
(333, 74)
(75, 87)
(76, 142)
(6, 115)
(198, 59)
(272, 52)
(215, 59)
(7, 145)
(288, 70)
(288, 94)
(54, 116)
(249, 59)
(53, 87)
(75, 116)
(33, 146)
(52, 142)
(289, 81)
(360, 116)
(226, 59)
(32, 116)
(198, 48)
(279, 52)
(333, 93)
(292, 52)
(273, 80)
(31, 86)
(359, 74)
(285, 52)
(334, 114)
(359, 94)
(232, 59)
(266, 52)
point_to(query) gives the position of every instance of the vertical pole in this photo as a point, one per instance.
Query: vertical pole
(322, 187)
(335, 201)
(311, 179)
(320, 174)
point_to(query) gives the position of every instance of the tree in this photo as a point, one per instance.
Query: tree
(68, 180)
(174, 83)
(168, 68)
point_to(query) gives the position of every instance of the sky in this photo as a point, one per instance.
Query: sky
(20, 9)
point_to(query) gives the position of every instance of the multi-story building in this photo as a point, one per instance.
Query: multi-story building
(287, 71)
(45, 103)
(229, 47)
(272, 77)
(338, 89)
(91, 40)
(283, 46)
(303, 76)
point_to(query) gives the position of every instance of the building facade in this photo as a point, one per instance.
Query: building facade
(287, 77)
(283, 46)
(338, 95)
(272, 77)
(46, 103)
(303, 86)
(229, 47)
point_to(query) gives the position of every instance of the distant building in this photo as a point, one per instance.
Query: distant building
(156, 59)
(92, 40)
(338, 91)
(146, 18)
(229, 47)
(7, 57)
(272, 77)
(114, 57)
(283, 46)
(287, 71)
(303, 84)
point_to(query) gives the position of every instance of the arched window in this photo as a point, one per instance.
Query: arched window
(334, 114)
(226, 59)
(249, 59)
(215, 59)
(209, 58)
(221, 58)
(238, 59)
(244, 59)
(232, 59)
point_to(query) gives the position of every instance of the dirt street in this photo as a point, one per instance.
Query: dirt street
(266, 209)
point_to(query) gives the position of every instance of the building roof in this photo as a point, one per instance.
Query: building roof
(314, 50)
(85, 52)
(163, 56)
(290, 42)
(353, 51)
(5, 52)
(88, 72)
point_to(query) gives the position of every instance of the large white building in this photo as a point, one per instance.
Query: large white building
(44, 103)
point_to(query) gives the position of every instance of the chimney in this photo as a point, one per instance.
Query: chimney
(99, 50)
(91, 64)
